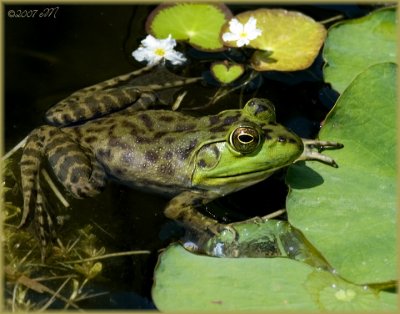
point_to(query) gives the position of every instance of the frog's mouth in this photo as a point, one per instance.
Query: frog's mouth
(229, 183)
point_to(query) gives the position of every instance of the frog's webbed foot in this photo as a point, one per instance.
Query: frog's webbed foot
(313, 148)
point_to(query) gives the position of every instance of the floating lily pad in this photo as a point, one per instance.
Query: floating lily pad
(184, 281)
(289, 41)
(197, 23)
(349, 213)
(225, 72)
(354, 45)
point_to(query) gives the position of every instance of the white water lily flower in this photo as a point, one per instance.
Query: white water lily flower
(240, 33)
(153, 51)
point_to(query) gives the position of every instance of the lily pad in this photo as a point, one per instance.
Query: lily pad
(197, 23)
(354, 45)
(289, 41)
(349, 213)
(225, 72)
(187, 282)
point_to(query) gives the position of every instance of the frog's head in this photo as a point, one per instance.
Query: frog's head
(251, 150)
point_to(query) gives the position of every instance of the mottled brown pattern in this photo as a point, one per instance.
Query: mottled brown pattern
(184, 153)
(151, 156)
(167, 169)
(147, 121)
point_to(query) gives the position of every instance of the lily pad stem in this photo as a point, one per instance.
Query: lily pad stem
(332, 19)
(252, 76)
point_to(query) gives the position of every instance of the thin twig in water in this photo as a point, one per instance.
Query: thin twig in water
(274, 214)
(14, 149)
(53, 187)
(56, 295)
(252, 76)
(332, 19)
(107, 256)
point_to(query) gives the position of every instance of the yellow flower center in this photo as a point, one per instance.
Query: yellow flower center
(243, 35)
(159, 52)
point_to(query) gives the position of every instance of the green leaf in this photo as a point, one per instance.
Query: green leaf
(185, 281)
(349, 213)
(189, 282)
(225, 72)
(197, 23)
(332, 293)
(289, 41)
(354, 45)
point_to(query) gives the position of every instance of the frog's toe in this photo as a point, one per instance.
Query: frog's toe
(190, 246)
(228, 229)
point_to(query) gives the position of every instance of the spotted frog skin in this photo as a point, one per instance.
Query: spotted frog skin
(196, 160)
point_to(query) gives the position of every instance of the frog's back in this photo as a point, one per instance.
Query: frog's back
(145, 148)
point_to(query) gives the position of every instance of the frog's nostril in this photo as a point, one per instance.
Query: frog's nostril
(281, 139)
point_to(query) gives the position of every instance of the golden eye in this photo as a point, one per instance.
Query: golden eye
(244, 139)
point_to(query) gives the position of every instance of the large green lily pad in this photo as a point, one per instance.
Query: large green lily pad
(189, 282)
(349, 213)
(197, 23)
(354, 45)
(289, 41)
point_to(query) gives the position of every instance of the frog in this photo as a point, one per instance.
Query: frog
(111, 132)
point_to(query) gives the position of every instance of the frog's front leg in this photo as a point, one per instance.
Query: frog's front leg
(183, 208)
(76, 169)
(312, 151)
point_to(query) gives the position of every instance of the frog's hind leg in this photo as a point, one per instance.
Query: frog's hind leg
(75, 109)
(96, 100)
(76, 168)
(78, 172)
(34, 200)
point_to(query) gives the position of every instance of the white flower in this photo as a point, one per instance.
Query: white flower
(240, 33)
(153, 51)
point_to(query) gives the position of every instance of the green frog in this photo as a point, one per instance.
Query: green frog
(108, 132)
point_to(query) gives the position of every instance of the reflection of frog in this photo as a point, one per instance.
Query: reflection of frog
(194, 159)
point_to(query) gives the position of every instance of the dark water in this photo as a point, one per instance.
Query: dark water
(48, 58)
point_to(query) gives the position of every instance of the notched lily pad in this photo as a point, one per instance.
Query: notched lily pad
(351, 217)
(197, 23)
(226, 72)
(188, 282)
(290, 40)
(376, 40)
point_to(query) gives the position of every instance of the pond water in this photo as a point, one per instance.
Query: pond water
(48, 58)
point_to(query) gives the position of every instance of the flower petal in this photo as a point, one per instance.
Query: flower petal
(168, 43)
(150, 42)
(251, 30)
(175, 57)
(254, 34)
(242, 42)
(235, 26)
(250, 26)
(140, 54)
(230, 37)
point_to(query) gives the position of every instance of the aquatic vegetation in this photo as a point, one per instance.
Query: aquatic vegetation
(198, 24)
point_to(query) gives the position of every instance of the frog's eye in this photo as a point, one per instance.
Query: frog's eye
(244, 139)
